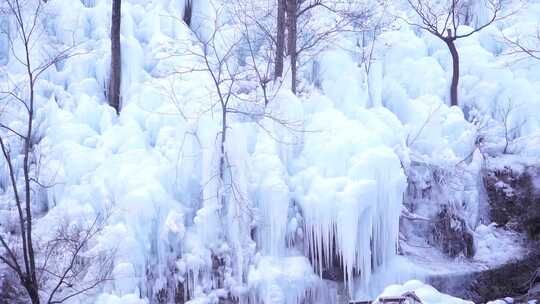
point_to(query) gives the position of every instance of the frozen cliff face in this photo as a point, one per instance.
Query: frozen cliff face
(177, 231)
(513, 193)
(444, 217)
(313, 183)
(351, 206)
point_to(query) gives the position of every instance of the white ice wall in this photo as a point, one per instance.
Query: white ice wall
(154, 166)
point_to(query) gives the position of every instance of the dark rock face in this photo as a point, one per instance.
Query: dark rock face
(451, 235)
(514, 199)
(509, 280)
(514, 203)
(441, 225)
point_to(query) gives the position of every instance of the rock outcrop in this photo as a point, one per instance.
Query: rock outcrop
(451, 234)
(513, 203)
(514, 197)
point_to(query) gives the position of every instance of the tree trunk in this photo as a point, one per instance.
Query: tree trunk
(28, 250)
(455, 72)
(291, 40)
(116, 57)
(280, 39)
(33, 293)
(188, 11)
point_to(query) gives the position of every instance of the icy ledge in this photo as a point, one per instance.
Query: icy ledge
(349, 184)
(426, 293)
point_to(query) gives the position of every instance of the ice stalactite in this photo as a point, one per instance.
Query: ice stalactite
(239, 209)
(272, 196)
(289, 280)
(162, 270)
(355, 217)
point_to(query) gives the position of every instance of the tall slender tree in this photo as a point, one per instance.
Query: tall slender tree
(188, 11)
(49, 270)
(292, 18)
(280, 39)
(297, 31)
(442, 19)
(116, 56)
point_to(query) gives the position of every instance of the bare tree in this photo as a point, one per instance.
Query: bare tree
(506, 116)
(292, 25)
(307, 38)
(443, 19)
(280, 38)
(298, 29)
(527, 45)
(220, 65)
(215, 56)
(116, 56)
(260, 61)
(19, 252)
(238, 69)
(372, 23)
(25, 32)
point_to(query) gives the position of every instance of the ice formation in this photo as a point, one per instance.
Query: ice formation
(328, 184)
(425, 292)
(351, 204)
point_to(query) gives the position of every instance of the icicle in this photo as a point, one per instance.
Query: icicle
(272, 195)
(355, 218)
